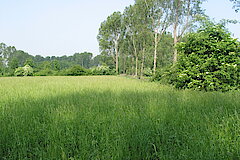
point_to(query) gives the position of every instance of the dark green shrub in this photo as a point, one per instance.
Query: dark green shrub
(45, 72)
(209, 60)
(76, 71)
(165, 74)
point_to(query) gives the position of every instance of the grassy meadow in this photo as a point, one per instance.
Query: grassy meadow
(112, 117)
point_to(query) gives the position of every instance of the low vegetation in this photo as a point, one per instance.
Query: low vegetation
(111, 117)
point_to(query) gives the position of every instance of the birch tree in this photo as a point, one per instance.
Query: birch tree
(109, 36)
(183, 13)
(159, 14)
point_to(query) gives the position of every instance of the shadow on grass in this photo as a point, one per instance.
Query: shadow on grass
(124, 125)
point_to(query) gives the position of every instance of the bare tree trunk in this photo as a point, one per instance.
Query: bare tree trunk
(175, 42)
(175, 54)
(117, 62)
(136, 60)
(124, 64)
(136, 67)
(155, 53)
(116, 54)
(132, 65)
(142, 65)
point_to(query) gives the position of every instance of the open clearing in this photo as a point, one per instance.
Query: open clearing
(114, 118)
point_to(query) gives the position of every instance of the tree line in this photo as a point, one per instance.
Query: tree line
(144, 37)
(11, 59)
(174, 42)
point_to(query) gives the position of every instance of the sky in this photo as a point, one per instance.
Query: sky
(65, 27)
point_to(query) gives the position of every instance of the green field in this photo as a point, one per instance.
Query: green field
(114, 118)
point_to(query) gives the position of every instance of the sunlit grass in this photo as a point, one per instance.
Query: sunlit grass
(114, 118)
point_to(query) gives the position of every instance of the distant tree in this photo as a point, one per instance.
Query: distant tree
(21, 56)
(46, 65)
(13, 63)
(56, 65)
(83, 59)
(6, 53)
(136, 33)
(160, 20)
(109, 36)
(96, 61)
(183, 14)
(236, 5)
(165, 50)
(2, 68)
(38, 58)
(29, 62)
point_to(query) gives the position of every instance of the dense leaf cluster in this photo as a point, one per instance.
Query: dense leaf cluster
(24, 71)
(209, 60)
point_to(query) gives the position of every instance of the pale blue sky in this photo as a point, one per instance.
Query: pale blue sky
(64, 27)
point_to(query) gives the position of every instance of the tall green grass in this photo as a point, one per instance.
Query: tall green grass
(114, 118)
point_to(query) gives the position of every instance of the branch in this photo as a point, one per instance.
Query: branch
(187, 21)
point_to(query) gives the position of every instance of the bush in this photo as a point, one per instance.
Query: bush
(19, 71)
(24, 71)
(76, 71)
(164, 75)
(102, 70)
(209, 60)
(45, 72)
(147, 72)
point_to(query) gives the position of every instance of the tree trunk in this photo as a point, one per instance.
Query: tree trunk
(116, 54)
(132, 65)
(136, 60)
(175, 32)
(142, 65)
(136, 67)
(155, 53)
(175, 43)
(124, 64)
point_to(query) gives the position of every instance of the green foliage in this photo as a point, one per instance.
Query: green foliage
(209, 60)
(101, 70)
(76, 70)
(19, 71)
(10, 59)
(1, 68)
(29, 62)
(13, 63)
(236, 5)
(46, 65)
(24, 71)
(83, 59)
(109, 36)
(147, 72)
(45, 72)
(56, 65)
